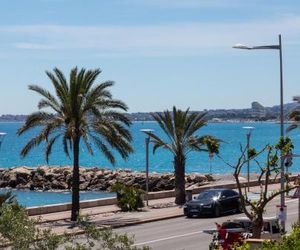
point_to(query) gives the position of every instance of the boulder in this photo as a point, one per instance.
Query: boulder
(55, 184)
(47, 178)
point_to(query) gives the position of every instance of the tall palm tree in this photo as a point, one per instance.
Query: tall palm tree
(294, 116)
(81, 111)
(180, 128)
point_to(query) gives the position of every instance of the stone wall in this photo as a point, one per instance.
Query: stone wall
(60, 178)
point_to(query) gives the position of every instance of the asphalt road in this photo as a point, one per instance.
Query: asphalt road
(183, 233)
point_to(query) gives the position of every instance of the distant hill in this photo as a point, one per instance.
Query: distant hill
(255, 112)
(12, 118)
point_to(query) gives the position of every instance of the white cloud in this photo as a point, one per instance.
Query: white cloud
(149, 40)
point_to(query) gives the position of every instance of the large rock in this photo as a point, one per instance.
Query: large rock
(48, 178)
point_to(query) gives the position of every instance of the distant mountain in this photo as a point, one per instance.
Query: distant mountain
(255, 112)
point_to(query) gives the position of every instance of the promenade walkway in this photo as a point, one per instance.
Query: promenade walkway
(111, 215)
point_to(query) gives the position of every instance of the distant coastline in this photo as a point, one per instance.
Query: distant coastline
(256, 113)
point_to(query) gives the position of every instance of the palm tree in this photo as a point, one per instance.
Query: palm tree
(81, 111)
(180, 128)
(294, 116)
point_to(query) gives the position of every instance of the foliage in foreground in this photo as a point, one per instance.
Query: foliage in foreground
(128, 198)
(288, 242)
(269, 170)
(291, 241)
(22, 232)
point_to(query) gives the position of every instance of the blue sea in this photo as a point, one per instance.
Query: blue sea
(232, 134)
(30, 198)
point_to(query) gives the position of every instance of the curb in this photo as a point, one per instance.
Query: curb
(149, 220)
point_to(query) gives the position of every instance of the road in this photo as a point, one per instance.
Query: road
(183, 233)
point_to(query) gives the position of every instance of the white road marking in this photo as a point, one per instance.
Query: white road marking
(167, 238)
(193, 233)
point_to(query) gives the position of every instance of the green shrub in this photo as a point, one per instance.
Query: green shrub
(288, 242)
(291, 241)
(101, 239)
(129, 198)
(23, 233)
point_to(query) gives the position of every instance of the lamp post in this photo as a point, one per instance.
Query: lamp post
(2, 135)
(147, 141)
(279, 48)
(248, 135)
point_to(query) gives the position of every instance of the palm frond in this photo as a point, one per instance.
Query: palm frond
(32, 143)
(46, 94)
(87, 142)
(166, 124)
(104, 149)
(60, 90)
(293, 126)
(89, 78)
(49, 146)
(82, 110)
(7, 198)
(36, 119)
(66, 139)
(159, 143)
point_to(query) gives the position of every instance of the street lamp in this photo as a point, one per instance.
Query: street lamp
(249, 130)
(279, 48)
(147, 141)
(2, 135)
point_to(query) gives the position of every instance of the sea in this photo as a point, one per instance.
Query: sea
(233, 136)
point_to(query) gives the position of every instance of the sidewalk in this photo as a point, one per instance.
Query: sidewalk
(112, 216)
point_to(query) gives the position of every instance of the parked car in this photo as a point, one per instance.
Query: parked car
(213, 202)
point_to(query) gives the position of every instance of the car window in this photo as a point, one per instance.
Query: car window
(208, 194)
(228, 193)
(233, 193)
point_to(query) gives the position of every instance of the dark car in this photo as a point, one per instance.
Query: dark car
(213, 202)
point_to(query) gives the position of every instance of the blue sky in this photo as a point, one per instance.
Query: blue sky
(160, 53)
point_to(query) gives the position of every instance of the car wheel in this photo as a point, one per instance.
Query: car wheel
(217, 211)
(189, 215)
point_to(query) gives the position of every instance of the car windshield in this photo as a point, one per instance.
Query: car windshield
(208, 195)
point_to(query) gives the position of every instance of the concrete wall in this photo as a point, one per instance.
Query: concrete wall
(67, 206)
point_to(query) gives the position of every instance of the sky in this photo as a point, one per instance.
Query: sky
(160, 53)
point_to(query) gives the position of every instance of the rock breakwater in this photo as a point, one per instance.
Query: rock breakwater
(60, 178)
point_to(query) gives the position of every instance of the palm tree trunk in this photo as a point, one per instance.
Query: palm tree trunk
(179, 165)
(75, 180)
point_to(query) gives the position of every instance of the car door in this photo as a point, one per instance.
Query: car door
(225, 201)
(229, 200)
(233, 197)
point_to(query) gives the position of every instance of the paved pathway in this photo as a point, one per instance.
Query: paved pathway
(112, 216)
